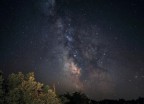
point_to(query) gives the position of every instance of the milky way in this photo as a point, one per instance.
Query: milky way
(82, 54)
(91, 46)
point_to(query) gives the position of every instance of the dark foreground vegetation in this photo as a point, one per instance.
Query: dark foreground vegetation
(24, 89)
(79, 98)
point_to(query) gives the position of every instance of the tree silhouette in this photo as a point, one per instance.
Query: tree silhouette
(1, 89)
(76, 98)
(23, 89)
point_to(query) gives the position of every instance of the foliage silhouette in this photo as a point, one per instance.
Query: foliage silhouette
(24, 89)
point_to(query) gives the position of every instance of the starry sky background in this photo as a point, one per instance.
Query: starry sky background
(92, 46)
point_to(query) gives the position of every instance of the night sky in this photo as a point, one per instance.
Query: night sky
(92, 46)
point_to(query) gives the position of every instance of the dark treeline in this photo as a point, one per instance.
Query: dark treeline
(24, 89)
(80, 98)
